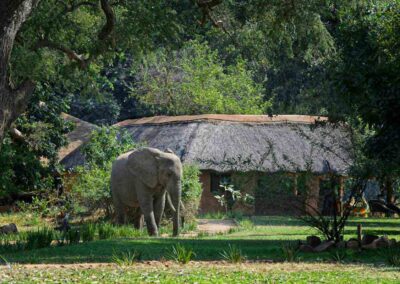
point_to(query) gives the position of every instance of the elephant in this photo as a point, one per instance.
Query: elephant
(143, 178)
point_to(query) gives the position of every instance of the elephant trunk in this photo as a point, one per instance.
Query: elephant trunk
(175, 195)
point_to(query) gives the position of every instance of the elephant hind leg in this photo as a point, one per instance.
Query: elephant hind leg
(120, 212)
(138, 218)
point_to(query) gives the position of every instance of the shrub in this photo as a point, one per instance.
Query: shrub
(91, 190)
(127, 258)
(88, 232)
(233, 254)
(181, 254)
(191, 191)
(73, 236)
(338, 255)
(40, 238)
(106, 231)
(393, 257)
(290, 252)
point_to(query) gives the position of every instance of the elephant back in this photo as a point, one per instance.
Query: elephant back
(142, 163)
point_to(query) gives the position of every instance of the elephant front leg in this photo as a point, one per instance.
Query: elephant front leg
(146, 204)
(158, 205)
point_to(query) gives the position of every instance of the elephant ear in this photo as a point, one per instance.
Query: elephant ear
(143, 165)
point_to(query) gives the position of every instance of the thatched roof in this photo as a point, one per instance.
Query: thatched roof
(78, 136)
(224, 143)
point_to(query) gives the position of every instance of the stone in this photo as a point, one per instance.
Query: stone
(382, 242)
(341, 245)
(306, 248)
(368, 239)
(324, 246)
(8, 229)
(352, 244)
(313, 241)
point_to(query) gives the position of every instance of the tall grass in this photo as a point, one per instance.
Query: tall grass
(233, 254)
(181, 254)
(40, 238)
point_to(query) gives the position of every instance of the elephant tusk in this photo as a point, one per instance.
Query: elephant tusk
(170, 203)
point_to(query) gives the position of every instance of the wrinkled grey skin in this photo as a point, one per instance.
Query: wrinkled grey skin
(141, 178)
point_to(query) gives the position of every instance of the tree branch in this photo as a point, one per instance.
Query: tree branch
(109, 26)
(72, 55)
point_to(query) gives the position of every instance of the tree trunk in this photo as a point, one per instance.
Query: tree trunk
(13, 101)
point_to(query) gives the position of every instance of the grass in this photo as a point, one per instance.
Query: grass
(181, 254)
(260, 238)
(127, 258)
(196, 272)
(233, 254)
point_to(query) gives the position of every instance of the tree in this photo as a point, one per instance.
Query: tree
(13, 100)
(367, 81)
(70, 41)
(29, 161)
(194, 81)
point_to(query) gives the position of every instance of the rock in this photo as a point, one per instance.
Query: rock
(368, 239)
(352, 244)
(324, 246)
(8, 229)
(341, 245)
(306, 248)
(313, 241)
(382, 242)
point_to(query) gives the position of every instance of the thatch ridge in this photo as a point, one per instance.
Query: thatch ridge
(240, 118)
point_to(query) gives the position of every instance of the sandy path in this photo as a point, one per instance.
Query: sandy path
(212, 226)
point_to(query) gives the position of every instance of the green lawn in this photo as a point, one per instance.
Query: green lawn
(203, 273)
(260, 239)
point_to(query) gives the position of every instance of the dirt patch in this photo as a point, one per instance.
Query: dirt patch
(211, 226)
(255, 266)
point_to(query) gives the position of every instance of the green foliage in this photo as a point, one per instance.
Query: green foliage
(339, 256)
(233, 254)
(105, 145)
(127, 258)
(195, 81)
(106, 231)
(181, 254)
(29, 165)
(39, 239)
(191, 191)
(88, 232)
(393, 257)
(73, 236)
(230, 196)
(290, 252)
(366, 78)
(91, 190)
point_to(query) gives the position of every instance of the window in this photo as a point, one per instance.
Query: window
(216, 179)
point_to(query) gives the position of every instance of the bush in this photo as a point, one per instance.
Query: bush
(91, 191)
(106, 231)
(73, 236)
(393, 257)
(39, 239)
(88, 232)
(181, 254)
(127, 258)
(191, 192)
(290, 252)
(233, 254)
